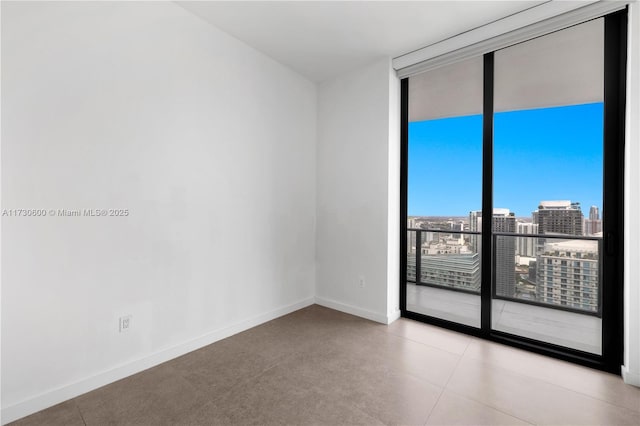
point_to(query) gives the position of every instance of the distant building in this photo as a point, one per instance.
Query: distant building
(526, 246)
(532, 271)
(559, 217)
(593, 225)
(459, 226)
(411, 235)
(475, 225)
(447, 245)
(447, 262)
(503, 221)
(461, 271)
(505, 249)
(567, 274)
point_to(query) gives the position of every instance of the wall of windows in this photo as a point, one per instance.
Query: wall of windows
(531, 134)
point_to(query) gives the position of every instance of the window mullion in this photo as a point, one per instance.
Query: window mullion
(487, 191)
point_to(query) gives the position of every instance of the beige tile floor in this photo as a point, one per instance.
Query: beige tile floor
(319, 366)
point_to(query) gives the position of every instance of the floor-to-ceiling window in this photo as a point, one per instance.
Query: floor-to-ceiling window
(512, 184)
(444, 184)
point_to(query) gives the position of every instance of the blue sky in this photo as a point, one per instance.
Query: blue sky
(539, 154)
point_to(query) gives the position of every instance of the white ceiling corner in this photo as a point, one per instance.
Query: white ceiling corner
(323, 39)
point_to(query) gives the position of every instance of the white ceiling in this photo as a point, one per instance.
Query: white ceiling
(323, 39)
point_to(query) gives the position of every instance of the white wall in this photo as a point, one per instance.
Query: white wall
(357, 192)
(631, 368)
(208, 143)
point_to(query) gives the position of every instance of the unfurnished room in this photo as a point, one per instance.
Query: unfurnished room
(320, 213)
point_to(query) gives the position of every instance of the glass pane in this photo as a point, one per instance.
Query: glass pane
(445, 192)
(449, 278)
(548, 174)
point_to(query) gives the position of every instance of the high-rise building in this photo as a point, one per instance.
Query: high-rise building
(505, 249)
(593, 225)
(411, 236)
(503, 221)
(475, 225)
(567, 274)
(567, 271)
(558, 217)
(526, 246)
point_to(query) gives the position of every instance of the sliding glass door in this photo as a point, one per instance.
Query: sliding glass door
(548, 172)
(531, 134)
(444, 185)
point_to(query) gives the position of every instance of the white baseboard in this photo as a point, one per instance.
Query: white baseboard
(629, 377)
(353, 310)
(393, 316)
(64, 393)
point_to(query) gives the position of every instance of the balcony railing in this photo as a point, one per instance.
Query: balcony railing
(444, 261)
(553, 271)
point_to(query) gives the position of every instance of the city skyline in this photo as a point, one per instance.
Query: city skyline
(557, 155)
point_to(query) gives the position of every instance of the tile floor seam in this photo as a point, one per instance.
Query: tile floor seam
(249, 379)
(585, 394)
(263, 371)
(423, 379)
(80, 412)
(457, 365)
(528, 377)
(418, 378)
(77, 404)
(367, 414)
(384, 330)
(431, 346)
(290, 356)
(434, 407)
(236, 384)
(428, 345)
(241, 382)
(539, 380)
(492, 407)
(447, 382)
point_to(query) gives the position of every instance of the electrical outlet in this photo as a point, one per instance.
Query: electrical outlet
(125, 323)
(361, 281)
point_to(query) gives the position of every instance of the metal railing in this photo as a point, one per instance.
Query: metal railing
(568, 289)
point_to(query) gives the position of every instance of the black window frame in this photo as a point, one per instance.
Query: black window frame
(612, 257)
